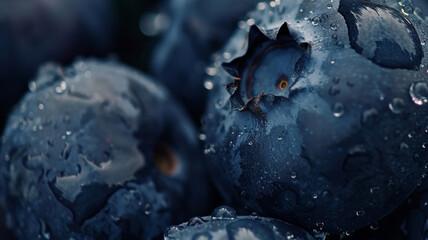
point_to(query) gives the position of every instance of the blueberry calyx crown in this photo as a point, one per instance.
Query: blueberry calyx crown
(272, 64)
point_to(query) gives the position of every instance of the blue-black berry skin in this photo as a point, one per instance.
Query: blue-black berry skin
(225, 224)
(98, 151)
(319, 115)
(198, 29)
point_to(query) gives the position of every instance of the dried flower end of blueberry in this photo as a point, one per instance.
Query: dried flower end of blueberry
(275, 55)
(382, 34)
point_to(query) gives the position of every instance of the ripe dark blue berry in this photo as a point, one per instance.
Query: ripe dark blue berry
(98, 151)
(224, 224)
(316, 120)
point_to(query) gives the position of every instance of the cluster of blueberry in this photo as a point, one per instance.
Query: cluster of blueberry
(313, 118)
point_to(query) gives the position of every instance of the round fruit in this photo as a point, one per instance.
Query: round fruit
(98, 151)
(320, 115)
(224, 224)
(198, 28)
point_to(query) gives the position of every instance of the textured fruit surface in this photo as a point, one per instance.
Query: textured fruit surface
(198, 28)
(225, 224)
(320, 112)
(98, 151)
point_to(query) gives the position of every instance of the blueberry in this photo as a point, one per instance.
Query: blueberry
(303, 126)
(98, 151)
(198, 28)
(224, 224)
(35, 31)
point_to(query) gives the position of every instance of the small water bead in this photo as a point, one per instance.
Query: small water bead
(293, 175)
(261, 6)
(397, 105)
(41, 106)
(208, 85)
(250, 21)
(202, 137)
(152, 24)
(333, 26)
(338, 109)
(374, 227)
(374, 189)
(369, 116)
(360, 213)
(250, 143)
(32, 86)
(211, 71)
(419, 93)
(227, 55)
(407, 9)
(403, 146)
(425, 145)
(289, 236)
(316, 21)
(329, 6)
(61, 88)
(147, 209)
(223, 212)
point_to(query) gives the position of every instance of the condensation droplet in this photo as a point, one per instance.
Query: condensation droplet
(407, 9)
(338, 109)
(202, 137)
(419, 93)
(208, 85)
(369, 116)
(360, 213)
(223, 212)
(147, 209)
(316, 21)
(61, 88)
(397, 105)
